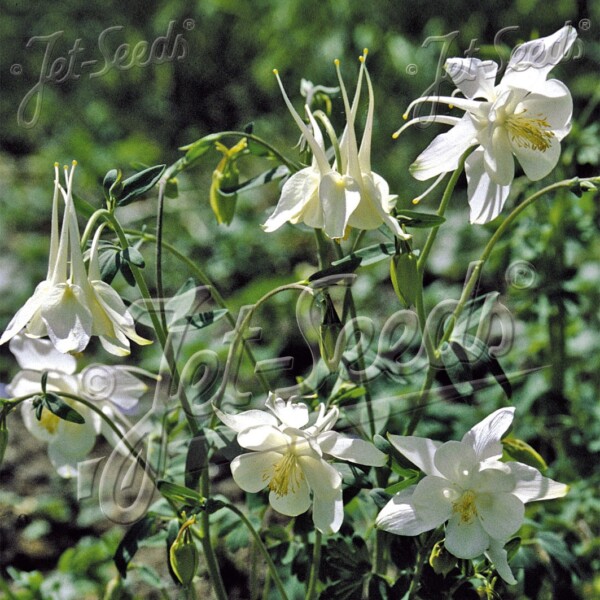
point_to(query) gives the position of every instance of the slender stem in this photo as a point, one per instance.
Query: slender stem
(418, 409)
(159, 248)
(261, 547)
(422, 553)
(313, 580)
(440, 212)
(321, 248)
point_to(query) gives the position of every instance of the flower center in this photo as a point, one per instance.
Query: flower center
(529, 132)
(465, 507)
(49, 421)
(287, 475)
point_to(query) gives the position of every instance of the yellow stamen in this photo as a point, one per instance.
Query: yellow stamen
(49, 421)
(529, 132)
(287, 475)
(465, 507)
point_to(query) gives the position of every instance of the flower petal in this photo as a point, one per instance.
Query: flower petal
(339, 196)
(473, 77)
(456, 461)
(433, 500)
(531, 485)
(35, 354)
(399, 516)
(328, 512)
(324, 479)
(497, 555)
(263, 438)
(500, 514)
(486, 198)
(252, 472)
(351, 449)
(291, 414)
(466, 540)
(538, 164)
(444, 152)
(499, 163)
(486, 435)
(293, 503)
(246, 420)
(420, 451)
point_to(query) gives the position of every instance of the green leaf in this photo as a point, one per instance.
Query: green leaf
(258, 149)
(412, 218)
(369, 255)
(179, 493)
(142, 529)
(262, 179)
(133, 256)
(201, 320)
(139, 184)
(200, 147)
(57, 406)
(340, 269)
(195, 460)
(458, 367)
(112, 184)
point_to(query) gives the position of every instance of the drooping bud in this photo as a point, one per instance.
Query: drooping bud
(183, 554)
(225, 176)
(405, 277)
(330, 345)
(441, 561)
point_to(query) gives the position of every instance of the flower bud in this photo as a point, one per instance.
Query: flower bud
(226, 175)
(183, 555)
(441, 561)
(405, 277)
(329, 333)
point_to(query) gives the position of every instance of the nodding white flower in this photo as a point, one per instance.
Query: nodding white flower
(525, 117)
(481, 499)
(288, 455)
(347, 194)
(113, 389)
(67, 306)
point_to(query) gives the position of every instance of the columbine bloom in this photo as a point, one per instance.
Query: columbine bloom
(67, 306)
(481, 499)
(289, 457)
(347, 194)
(113, 389)
(524, 116)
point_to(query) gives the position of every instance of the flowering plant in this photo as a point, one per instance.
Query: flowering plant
(391, 514)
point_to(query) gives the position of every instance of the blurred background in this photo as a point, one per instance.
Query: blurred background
(116, 85)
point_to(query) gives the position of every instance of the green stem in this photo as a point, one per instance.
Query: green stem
(313, 579)
(419, 408)
(160, 292)
(261, 547)
(422, 553)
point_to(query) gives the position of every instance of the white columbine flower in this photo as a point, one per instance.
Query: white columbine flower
(288, 456)
(481, 499)
(67, 306)
(344, 195)
(525, 116)
(112, 389)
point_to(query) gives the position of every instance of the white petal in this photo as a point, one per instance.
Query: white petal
(498, 159)
(497, 555)
(554, 104)
(486, 198)
(399, 516)
(263, 438)
(324, 479)
(351, 449)
(298, 191)
(112, 384)
(473, 77)
(500, 514)
(339, 196)
(246, 419)
(26, 312)
(433, 498)
(294, 503)
(328, 512)
(456, 461)
(252, 472)
(67, 318)
(74, 444)
(291, 414)
(531, 62)
(466, 540)
(40, 355)
(444, 152)
(535, 163)
(532, 485)
(420, 451)
(485, 437)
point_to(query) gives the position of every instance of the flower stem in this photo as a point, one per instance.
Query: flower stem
(159, 248)
(314, 568)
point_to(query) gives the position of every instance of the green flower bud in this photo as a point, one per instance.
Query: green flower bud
(441, 561)
(329, 334)
(183, 554)
(226, 175)
(522, 452)
(405, 277)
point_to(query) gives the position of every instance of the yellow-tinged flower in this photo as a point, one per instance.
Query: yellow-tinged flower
(525, 117)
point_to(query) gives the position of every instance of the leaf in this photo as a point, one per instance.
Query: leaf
(340, 269)
(412, 218)
(139, 184)
(262, 179)
(57, 406)
(142, 529)
(179, 493)
(200, 147)
(201, 320)
(195, 460)
(133, 256)
(369, 255)
(458, 367)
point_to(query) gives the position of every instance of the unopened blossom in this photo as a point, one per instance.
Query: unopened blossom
(67, 306)
(525, 116)
(344, 194)
(114, 390)
(466, 486)
(289, 454)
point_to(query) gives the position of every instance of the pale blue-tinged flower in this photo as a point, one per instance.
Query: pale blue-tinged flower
(466, 486)
(525, 117)
(289, 454)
